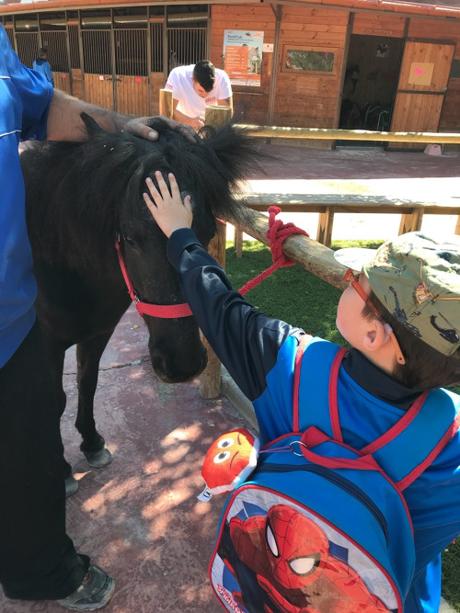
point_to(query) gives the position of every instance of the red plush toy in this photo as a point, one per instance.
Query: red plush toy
(228, 462)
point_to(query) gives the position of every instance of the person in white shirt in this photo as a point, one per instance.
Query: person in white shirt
(195, 87)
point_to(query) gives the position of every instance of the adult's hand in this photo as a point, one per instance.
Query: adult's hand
(64, 121)
(141, 126)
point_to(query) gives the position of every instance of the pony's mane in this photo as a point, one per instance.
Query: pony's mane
(79, 188)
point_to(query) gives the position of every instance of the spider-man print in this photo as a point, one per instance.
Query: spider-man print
(289, 555)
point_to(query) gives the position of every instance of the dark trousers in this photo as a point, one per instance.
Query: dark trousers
(37, 559)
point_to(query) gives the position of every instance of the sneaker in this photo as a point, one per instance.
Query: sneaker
(94, 593)
(71, 486)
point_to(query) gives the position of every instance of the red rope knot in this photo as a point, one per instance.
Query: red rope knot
(277, 233)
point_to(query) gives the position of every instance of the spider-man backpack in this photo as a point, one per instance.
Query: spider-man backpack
(320, 527)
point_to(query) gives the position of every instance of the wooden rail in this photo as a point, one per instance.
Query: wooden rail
(440, 138)
(327, 205)
(314, 256)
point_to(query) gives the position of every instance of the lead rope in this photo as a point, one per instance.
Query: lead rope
(277, 233)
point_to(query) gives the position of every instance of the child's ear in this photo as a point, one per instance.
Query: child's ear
(376, 335)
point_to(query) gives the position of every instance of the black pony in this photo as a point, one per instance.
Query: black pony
(80, 198)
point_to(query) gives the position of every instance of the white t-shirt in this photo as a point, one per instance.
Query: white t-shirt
(190, 103)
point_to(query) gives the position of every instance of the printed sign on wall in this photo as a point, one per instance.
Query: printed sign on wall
(243, 56)
(421, 73)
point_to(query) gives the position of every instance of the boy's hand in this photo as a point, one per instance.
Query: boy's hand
(166, 206)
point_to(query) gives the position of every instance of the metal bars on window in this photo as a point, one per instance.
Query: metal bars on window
(156, 47)
(131, 52)
(56, 44)
(74, 47)
(97, 57)
(186, 46)
(27, 46)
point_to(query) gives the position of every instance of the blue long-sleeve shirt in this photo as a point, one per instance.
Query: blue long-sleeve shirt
(25, 96)
(43, 66)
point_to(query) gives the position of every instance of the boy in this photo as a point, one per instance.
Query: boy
(398, 350)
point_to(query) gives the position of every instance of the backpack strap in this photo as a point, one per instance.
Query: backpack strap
(408, 448)
(413, 443)
(313, 362)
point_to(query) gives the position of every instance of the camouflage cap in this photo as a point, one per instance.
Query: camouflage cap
(417, 279)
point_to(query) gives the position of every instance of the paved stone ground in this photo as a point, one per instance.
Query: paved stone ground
(139, 517)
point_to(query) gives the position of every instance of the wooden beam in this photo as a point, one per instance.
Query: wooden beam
(411, 222)
(314, 257)
(326, 221)
(166, 103)
(217, 115)
(255, 131)
(210, 378)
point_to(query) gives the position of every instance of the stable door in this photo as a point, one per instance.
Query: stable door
(422, 86)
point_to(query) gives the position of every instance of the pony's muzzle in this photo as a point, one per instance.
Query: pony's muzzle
(178, 367)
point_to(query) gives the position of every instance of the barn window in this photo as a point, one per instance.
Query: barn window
(305, 59)
(26, 27)
(53, 29)
(96, 26)
(187, 27)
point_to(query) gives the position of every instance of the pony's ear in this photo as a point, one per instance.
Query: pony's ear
(91, 125)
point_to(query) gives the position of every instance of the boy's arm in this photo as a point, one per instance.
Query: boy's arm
(246, 341)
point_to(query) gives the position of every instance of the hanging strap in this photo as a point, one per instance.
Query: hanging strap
(405, 451)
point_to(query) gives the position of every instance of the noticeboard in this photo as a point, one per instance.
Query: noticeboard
(243, 56)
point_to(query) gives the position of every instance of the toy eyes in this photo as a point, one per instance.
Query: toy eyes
(226, 442)
(221, 457)
(303, 566)
(271, 541)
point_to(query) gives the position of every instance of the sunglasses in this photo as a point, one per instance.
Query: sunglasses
(353, 279)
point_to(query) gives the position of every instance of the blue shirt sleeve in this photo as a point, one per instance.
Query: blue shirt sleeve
(33, 90)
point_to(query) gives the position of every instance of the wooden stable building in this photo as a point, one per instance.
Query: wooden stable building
(371, 64)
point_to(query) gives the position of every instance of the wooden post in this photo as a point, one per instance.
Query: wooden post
(210, 379)
(411, 222)
(238, 242)
(217, 115)
(326, 221)
(166, 103)
(457, 227)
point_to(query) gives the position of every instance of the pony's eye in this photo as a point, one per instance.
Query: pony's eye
(129, 241)
(226, 442)
(221, 457)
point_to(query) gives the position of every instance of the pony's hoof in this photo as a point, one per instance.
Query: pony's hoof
(71, 486)
(98, 459)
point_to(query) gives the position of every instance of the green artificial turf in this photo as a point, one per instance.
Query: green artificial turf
(303, 300)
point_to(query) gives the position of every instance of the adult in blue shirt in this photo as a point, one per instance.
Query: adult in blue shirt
(42, 65)
(37, 558)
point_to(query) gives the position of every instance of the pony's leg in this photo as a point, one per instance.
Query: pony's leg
(88, 356)
(56, 353)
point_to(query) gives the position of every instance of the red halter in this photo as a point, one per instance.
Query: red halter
(164, 311)
(277, 233)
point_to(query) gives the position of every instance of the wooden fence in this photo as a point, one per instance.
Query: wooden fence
(314, 256)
